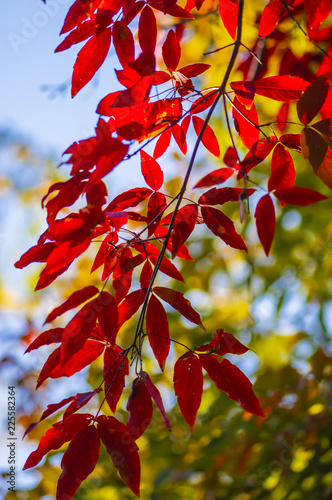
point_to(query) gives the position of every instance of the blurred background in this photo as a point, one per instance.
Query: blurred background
(279, 306)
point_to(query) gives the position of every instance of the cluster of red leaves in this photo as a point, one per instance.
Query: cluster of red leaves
(132, 116)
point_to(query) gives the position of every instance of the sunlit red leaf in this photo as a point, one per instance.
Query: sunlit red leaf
(228, 10)
(151, 171)
(220, 196)
(155, 394)
(232, 381)
(282, 169)
(157, 330)
(223, 343)
(178, 302)
(156, 206)
(89, 59)
(300, 196)
(130, 305)
(78, 462)
(258, 152)
(270, 17)
(140, 408)
(245, 92)
(107, 313)
(188, 386)
(265, 222)
(223, 226)
(162, 143)
(46, 338)
(147, 29)
(37, 253)
(116, 367)
(282, 116)
(128, 199)
(80, 400)
(183, 227)
(208, 138)
(52, 408)
(180, 137)
(107, 163)
(74, 300)
(120, 445)
(245, 121)
(171, 51)
(57, 435)
(124, 43)
(216, 177)
(281, 88)
(317, 11)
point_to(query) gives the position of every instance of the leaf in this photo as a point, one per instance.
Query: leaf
(128, 199)
(300, 196)
(123, 43)
(155, 394)
(147, 29)
(270, 17)
(245, 121)
(188, 386)
(77, 331)
(232, 381)
(313, 147)
(162, 143)
(80, 400)
(46, 338)
(37, 253)
(116, 367)
(216, 177)
(223, 226)
(52, 408)
(183, 227)
(281, 88)
(317, 12)
(171, 51)
(220, 196)
(157, 330)
(258, 152)
(178, 302)
(313, 99)
(115, 155)
(151, 171)
(223, 343)
(108, 317)
(180, 137)
(89, 59)
(228, 10)
(140, 408)
(208, 138)
(156, 206)
(265, 222)
(245, 92)
(282, 169)
(120, 445)
(57, 435)
(74, 300)
(78, 462)
(130, 305)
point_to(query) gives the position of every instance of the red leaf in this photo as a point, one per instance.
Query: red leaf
(265, 222)
(282, 116)
(313, 99)
(78, 462)
(80, 400)
(129, 199)
(228, 10)
(157, 330)
(204, 102)
(46, 338)
(180, 137)
(77, 13)
(231, 157)
(223, 343)
(244, 119)
(74, 300)
(49, 411)
(130, 305)
(281, 88)
(140, 408)
(223, 226)
(89, 59)
(123, 43)
(317, 11)
(183, 227)
(300, 196)
(178, 302)
(245, 92)
(193, 70)
(107, 313)
(220, 196)
(78, 35)
(57, 435)
(162, 143)
(107, 163)
(171, 51)
(116, 367)
(258, 152)
(121, 446)
(282, 169)
(151, 171)
(147, 29)
(188, 386)
(77, 331)
(157, 204)
(216, 177)
(155, 394)
(270, 17)
(208, 138)
(37, 253)
(232, 381)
